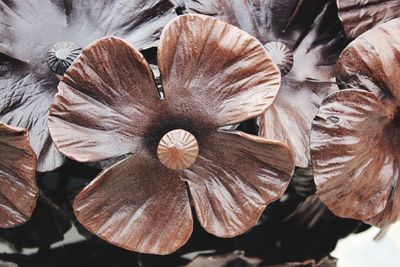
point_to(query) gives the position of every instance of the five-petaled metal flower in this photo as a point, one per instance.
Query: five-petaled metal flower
(213, 74)
(41, 38)
(304, 38)
(356, 136)
(18, 189)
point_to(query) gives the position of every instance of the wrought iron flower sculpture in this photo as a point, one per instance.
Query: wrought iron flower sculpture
(213, 74)
(41, 38)
(356, 135)
(304, 38)
(18, 189)
(358, 16)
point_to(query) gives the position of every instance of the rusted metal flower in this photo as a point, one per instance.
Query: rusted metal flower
(304, 38)
(39, 39)
(18, 189)
(213, 74)
(358, 16)
(356, 135)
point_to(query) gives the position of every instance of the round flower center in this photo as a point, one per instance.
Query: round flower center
(282, 56)
(177, 149)
(61, 55)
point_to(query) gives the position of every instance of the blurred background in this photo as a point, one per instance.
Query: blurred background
(362, 250)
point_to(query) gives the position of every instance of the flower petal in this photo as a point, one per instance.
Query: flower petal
(106, 103)
(358, 16)
(26, 29)
(243, 14)
(356, 165)
(391, 213)
(220, 70)
(234, 178)
(32, 26)
(138, 205)
(290, 117)
(18, 189)
(137, 21)
(24, 102)
(317, 50)
(372, 61)
(287, 21)
(309, 81)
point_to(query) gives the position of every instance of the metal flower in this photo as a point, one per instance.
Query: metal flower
(358, 16)
(40, 38)
(213, 74)
(356, 135)
(18, 189)
(304, 38)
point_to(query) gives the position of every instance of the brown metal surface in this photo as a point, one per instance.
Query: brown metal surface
(18, 189)
(313, 33)
(355, 136)
(213, 74)
(358, 16)
(30, 28)
(224, 73)
(177, 149)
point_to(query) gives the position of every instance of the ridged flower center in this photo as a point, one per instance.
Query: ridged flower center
(61, 55)
(282, 56)
(178, 149)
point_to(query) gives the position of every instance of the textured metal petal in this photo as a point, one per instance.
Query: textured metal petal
(310, 80)
(28, 31)
(224, 73)
(356, 164)
(18, 189)
(106, 103)
(286, 21)
(359, 16)
(372, 61)
(243, 14)
(31, 27)
(234, 178)
(137, 204)
(313, 33)
(267, 20)
(24, 102)
(289, 118)
(138, 21)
